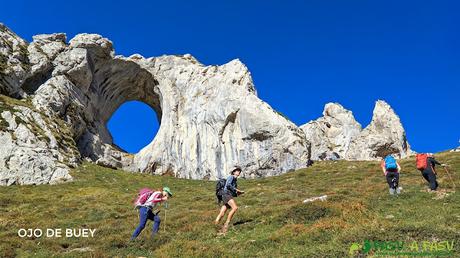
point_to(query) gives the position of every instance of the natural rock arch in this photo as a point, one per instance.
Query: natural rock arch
(133, 126)
(116, 83)
(122, 81)
(210, 116)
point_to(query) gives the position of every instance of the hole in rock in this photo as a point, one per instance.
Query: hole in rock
(133, 126)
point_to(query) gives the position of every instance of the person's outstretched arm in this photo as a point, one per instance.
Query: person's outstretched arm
(382, 165)
(159, 198)
(436, 162)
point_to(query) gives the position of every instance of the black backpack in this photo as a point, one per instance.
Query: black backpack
(220, 189)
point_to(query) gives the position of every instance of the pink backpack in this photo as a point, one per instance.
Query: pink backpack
(142, 197)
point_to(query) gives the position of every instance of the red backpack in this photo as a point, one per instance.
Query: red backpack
(421, 161)
(142, 197)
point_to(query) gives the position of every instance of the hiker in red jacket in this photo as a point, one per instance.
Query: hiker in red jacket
(429, 173)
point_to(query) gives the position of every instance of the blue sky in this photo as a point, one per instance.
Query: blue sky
(302, 54)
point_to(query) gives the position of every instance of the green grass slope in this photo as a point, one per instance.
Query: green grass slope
(272, 220)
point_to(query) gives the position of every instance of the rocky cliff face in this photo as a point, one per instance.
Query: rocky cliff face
(210, 116)
(34, 148)
(337, 135)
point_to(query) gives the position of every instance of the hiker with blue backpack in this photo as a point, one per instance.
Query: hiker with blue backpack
(147, 202)
(391, 170)
(226, 191)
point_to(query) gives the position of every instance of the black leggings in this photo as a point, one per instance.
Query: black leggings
(430, 177)
(392, 179)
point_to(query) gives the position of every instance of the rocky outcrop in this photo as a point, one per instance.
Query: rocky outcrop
(337, 135)
(34, 148)
(14, 62)
(384, 135)
(210, 116)
(332, 134)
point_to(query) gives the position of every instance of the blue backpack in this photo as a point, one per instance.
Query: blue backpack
(390, 162)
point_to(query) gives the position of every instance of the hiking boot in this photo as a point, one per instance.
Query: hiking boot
(224, 230)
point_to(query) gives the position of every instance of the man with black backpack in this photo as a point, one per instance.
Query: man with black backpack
(391, 170)
(225, 193)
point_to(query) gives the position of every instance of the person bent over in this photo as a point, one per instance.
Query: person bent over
(147, 211)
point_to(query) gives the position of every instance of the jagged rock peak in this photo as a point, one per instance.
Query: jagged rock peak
(331, 134)
(337, 134)
(333, 109)
(384, 115)
(384, 135)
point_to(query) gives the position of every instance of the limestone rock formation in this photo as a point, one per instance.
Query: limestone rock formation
(210, 116)
(337, 135)
(331, 134)
(14, 63)
(34, 148)
(384, 135)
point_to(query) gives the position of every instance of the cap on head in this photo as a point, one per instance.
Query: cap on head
(166, 189)
(236, 168)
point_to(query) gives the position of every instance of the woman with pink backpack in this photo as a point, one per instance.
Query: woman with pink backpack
(146, 202)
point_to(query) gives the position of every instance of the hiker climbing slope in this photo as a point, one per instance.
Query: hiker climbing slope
(147, 203)
(230, 190)
(426, 163)
(391, 170)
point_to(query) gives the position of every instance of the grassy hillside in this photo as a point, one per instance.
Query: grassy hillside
(272, 220)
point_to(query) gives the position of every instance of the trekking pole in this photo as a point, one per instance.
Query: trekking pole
(166, 207)
(450, 177)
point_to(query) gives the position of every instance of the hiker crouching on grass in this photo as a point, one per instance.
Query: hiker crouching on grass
(146, 202)
(391, 170)
(229, 192)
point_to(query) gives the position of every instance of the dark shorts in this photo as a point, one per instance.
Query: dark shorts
(226, 198)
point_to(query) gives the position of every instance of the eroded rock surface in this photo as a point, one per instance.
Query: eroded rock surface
(210, 116)
(34, 148)
(337, 135)
(332, 134)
